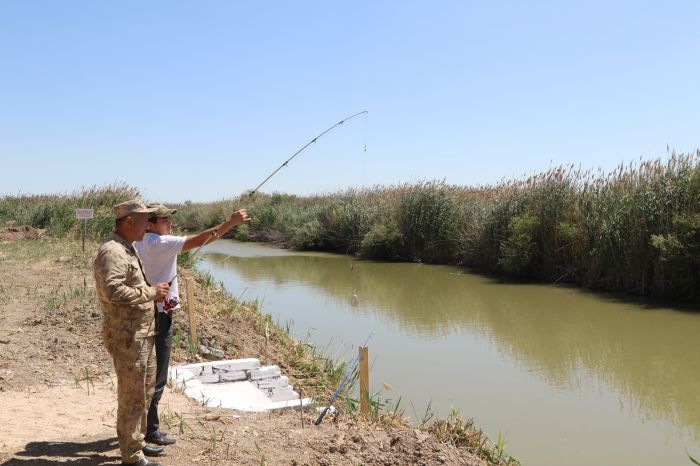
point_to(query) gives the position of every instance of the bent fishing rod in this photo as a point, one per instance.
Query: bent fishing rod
(302, 149)
(215, 234)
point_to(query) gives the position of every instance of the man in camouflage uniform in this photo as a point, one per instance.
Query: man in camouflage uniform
(129, 327)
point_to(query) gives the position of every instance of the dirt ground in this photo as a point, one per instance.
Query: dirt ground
(58, 390)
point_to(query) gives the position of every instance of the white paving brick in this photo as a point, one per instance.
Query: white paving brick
(265, 373)
(223, 376)
(275, 382)
(238, 365)
(223, 384)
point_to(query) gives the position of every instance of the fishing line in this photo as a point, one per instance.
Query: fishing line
(284, 164)
(364, 154)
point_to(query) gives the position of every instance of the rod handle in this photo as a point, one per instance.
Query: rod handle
(320, 418)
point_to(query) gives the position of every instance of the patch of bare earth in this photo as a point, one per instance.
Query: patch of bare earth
(58, 400)
(15, 233)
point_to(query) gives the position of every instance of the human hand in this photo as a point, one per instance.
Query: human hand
(239, 216)
(161, 290)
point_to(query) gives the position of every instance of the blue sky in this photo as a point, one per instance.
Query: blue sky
(201, 100)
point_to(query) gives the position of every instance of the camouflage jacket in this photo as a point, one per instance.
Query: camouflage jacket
(125, 295)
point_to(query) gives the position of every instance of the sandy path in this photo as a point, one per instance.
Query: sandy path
(57, 423)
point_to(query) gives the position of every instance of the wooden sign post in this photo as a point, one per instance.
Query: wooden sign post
(84, 215)
(364, 380)
(189, 289)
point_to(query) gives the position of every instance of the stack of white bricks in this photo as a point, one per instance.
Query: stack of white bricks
(268, 379)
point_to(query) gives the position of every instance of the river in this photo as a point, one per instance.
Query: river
(565, 376)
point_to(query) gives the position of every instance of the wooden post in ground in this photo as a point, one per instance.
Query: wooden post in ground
(84, 233)
(364, 380)
(189, 289)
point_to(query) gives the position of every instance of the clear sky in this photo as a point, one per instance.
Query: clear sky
(201, 100)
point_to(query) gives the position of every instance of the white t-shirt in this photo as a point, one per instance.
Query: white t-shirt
(159, 258)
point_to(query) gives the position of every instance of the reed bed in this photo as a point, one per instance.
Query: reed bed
(55, 213)
(635, 229)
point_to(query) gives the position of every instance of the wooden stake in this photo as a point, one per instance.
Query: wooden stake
(301, 410)
(84, 233)
(189, 288)
(364, 380)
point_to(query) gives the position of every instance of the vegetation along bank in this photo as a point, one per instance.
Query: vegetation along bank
(636, 229)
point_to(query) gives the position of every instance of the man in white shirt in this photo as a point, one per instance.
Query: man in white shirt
(158, 251)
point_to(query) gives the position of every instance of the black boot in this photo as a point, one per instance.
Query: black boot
(152, 451)
(159, 438)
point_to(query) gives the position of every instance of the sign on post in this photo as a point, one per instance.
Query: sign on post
(84, 215)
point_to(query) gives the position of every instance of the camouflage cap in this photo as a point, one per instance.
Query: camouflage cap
(134, 206)
(160, 210)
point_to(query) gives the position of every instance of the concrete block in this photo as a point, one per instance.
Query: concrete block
(234, 376)
(215, 354)
(228, 364)
(275, 382)
(265, 373)
(220, 376)
(238, 364)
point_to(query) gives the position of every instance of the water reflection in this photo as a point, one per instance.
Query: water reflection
(571, 339)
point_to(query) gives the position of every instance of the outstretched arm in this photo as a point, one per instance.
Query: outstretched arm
(214, 233)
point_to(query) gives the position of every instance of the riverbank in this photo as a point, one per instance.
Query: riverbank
(56, 382)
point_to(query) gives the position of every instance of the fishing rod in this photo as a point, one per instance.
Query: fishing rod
(337, 392)
(302, 149)
(215, 233)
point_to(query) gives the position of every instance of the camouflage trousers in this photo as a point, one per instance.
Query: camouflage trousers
(136, 376)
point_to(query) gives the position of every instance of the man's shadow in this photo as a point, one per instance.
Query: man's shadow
(85, 454)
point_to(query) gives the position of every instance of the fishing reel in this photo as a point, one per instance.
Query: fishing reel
(171, 303)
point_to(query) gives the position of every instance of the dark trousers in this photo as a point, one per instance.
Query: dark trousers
(164, 342)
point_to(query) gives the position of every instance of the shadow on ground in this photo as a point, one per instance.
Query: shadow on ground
(70, 453)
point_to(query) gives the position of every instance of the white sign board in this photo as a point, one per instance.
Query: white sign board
(83, 213)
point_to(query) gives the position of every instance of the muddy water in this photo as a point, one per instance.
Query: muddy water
(567, 377)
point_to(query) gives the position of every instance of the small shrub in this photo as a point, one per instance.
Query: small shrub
(519, 251)
(241, 232)
(383, 241)
(309, 236)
